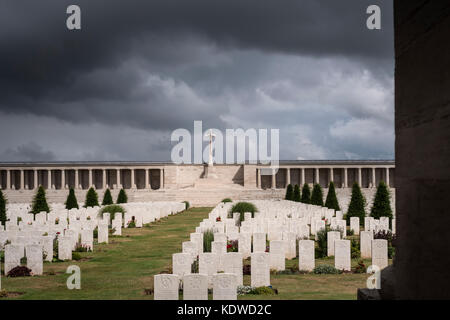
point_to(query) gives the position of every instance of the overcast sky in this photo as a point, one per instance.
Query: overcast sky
(140, 69)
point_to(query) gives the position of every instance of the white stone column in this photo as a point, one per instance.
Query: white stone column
(161, 178)
(132, 172)
(77, 180)
(118, 178)
(35, 178)
(22, 179)
(331, 175)
(387, 177)
(302, 177)
(90, 178)
(146, 181)
(374, 182)
(104, 178)
(317, 177)
(274, 180)
(345, 178)
(288, 176)
(8, 179)
(359, 178)
(49, 179)
(63, 179)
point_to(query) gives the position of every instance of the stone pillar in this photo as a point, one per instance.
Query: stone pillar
(63, 178)
(302, 179)
(22, 179)
(49, 179)
(118, 178)
(288, 177)
(374, 182)
(258, 183)
(331, 175)
(104, 178)
(274, 180)
(90, 178)
(8, 179)
(77, 182)
(146, 181)
(317, 177)
(387, 177)
(161, 178)
(132, 172)
(35, 178)
(359, 177)
(345, 178)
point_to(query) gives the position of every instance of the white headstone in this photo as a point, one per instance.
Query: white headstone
(181, 264)
(166, 286)
(354, 225)
(259, 242)
(64, 248)
(13, 254)
(277, 255)
(207, 264)
(34, 258)
(224, 286)
(245, 244)
(260, 271)
(380, 253)
(306, 255)
(365, 239)
(233, 264)
(195, 287)
(342, 255)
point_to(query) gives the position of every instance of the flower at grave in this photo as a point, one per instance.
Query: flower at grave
(229, 246)
(218, 219)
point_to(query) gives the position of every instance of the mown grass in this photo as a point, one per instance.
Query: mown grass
(125, 267)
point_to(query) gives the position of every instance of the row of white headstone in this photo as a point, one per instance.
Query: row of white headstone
(291, 223)
(75, 227)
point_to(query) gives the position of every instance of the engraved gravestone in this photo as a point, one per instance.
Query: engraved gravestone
(166, 286)
(306, 255)
(224, 286)
(342, 255)
(195, 287)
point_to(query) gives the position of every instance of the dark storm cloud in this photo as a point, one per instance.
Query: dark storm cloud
(160, 64)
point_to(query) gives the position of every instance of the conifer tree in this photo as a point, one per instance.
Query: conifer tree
(107, 198)
(306, 194)
(381, 204)
(357, 205)
(122, 197)
(332, 201)
(317, 195)
(39, 202)
(91, 198)
(71, 201)
(289, 192)
(297, 197)
(2, 208)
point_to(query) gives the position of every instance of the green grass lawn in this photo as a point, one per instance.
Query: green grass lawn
(125, 267)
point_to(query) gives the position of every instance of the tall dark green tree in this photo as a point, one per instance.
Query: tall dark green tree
(2, 208)
(122, 197)
(317, 195)
(107, 198)
(71, 201)
(40, 202)
(381, 204)
(306, 194)
(332, 202)
(91, 198)
(357, 205)
(289, 192)
(297, 193)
